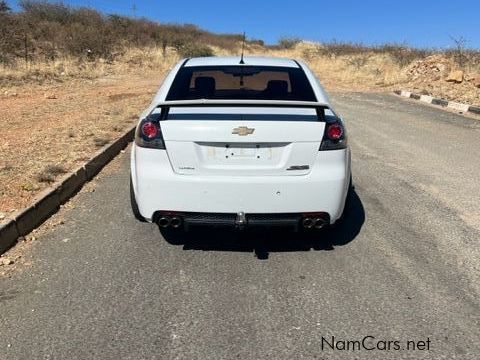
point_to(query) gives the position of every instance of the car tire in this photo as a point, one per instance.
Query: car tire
(133, 204)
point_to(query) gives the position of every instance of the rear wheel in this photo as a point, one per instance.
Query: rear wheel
(133, 203)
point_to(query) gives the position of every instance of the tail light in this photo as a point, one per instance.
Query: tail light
(335, 137)
(149, 130)
(149, 134)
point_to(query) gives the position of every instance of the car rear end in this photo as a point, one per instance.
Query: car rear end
(241, 146)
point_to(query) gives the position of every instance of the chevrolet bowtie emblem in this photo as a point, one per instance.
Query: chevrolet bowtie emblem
(243, 131)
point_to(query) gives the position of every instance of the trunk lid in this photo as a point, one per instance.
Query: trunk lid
(242, 142)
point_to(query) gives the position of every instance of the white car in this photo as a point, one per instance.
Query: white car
(240, 143)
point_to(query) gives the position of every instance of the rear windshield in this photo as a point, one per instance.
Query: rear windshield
(241, 83)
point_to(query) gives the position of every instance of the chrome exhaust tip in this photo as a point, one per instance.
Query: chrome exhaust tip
(164, 221)
(319, 223)
(307, 223)
(176, 222)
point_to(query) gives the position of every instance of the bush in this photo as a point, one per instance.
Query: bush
(288, 42)
(47, 30)
(4, 8)
(50, 172)
(359, 54)
(335, 48)
(190, 50)
(403, 55)
(358, 61)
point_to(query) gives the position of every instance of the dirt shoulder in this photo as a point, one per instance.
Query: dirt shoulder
(50, 129)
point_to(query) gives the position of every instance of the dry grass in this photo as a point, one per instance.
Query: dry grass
(50, 172)
(353, 72)
(133, 61)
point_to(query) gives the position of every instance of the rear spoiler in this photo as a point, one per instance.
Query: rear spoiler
(319, 107)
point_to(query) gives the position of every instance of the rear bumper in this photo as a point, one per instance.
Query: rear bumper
(158, 188)
(175, 220)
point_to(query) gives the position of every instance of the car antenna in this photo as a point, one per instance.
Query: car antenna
(243, 49)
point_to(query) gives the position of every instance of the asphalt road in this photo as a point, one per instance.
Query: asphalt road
(405, 267)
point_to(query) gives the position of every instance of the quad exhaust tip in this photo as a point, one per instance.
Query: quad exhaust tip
(164, 221)
(175, 222)
(317, 222)
(307, 223)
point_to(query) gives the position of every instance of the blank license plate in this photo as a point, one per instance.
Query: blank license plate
(241, 152)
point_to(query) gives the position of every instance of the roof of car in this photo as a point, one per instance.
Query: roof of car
(235, 60)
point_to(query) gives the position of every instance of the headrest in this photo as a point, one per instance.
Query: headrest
(277, 87)
(205, 85)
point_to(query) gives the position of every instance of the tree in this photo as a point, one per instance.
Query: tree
(4, 8)
(460, 53)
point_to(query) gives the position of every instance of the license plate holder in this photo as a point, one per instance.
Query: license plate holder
(241, 151)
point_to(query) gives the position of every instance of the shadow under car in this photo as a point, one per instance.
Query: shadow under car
(263, 241)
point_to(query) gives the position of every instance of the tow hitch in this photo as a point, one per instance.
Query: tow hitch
(240, 220)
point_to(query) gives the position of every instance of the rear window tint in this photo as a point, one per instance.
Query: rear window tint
(241, 83)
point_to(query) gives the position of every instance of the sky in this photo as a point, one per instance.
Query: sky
(371, 22)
